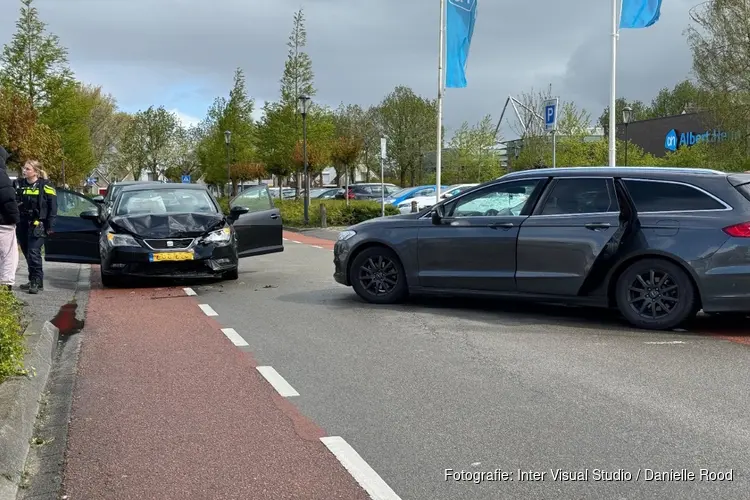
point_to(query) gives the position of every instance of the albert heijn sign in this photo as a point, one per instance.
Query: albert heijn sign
(676, 139)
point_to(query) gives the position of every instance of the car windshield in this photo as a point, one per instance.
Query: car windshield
(165, 201)
(400, 192)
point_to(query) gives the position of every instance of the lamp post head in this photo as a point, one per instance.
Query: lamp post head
(227, 136)
(303, 104)
(627, 114)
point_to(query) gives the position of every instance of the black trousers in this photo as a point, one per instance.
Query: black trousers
(31, 246)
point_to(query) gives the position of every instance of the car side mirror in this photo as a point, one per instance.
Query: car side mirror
(236, 211)
(437, 215)
(90, 215)
(98, 199)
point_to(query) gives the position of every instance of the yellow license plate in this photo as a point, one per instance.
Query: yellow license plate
(171, 256)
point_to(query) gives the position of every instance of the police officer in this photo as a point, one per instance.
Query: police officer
(38, 207)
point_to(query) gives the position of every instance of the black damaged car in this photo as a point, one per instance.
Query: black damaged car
(165, 230)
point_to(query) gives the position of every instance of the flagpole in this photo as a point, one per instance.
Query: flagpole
(612, 94)
(441, 87)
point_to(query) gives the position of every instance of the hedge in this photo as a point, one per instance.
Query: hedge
(12, 347)
(337, 212)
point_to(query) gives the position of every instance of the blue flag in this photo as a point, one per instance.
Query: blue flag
(459, 28)
(639, 13)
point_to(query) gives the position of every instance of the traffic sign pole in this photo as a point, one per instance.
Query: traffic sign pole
(550, 124)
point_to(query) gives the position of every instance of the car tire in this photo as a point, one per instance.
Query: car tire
(655, 294)
(390, 281)
(234, 274)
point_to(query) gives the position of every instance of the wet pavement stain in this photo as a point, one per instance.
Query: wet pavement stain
(66, 321)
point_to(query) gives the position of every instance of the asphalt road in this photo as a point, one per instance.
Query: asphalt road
(468, 385)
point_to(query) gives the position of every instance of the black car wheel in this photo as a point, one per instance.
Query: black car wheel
(655, 294)
(378, 276)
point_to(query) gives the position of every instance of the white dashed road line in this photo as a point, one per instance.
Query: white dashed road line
(208, 310)
(235, 337)
(667, 342)
(359, 469)
(316, 246)
(277, 381)
(189, 292)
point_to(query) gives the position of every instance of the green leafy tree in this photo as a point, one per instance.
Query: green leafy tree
(683, 97)
(148, 142)
(408, 121)
(352, 125)
(298, 74)
(277, 139)
(640, 112)
(23, 135)
(106, 126)
(68, 112)
(34, 62)
(234, 115)
(469, 157)
(721, 55)
(321, 130)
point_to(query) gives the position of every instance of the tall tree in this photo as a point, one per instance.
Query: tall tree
(298, 74)
(351, 123)
(69, 113)
(408, 122)
(147, 142)
(23, 135)
(721, 56)
(683, 97)
(235, 115)
(469, 157)
(33, 61)
(277, 138)
(640, 112)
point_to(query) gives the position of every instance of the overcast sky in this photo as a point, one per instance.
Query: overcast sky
(182, 53)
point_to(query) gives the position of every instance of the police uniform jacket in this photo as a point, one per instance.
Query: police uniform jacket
(37, 202)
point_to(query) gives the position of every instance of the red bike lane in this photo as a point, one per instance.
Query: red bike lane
(165, 406)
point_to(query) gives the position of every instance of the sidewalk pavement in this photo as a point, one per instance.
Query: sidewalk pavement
(23, 399)
(166, 406)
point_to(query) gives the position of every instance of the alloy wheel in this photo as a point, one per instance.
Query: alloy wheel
(378, 275)
(654, 294)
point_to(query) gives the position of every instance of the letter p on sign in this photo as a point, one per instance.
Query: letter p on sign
(550, 110)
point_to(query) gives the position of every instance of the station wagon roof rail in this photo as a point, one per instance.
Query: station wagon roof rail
(603, 170)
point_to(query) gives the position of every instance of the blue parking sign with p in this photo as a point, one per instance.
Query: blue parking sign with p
(186, 179)
(550, 114)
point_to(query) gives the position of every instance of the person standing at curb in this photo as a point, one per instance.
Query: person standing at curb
(38, 207)
(9, 219)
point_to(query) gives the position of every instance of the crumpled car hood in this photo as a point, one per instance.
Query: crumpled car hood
(169, 226)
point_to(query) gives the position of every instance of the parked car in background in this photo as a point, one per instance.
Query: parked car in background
(324, 193)
(165, 230)
(457, 188)
(366, 191)
(287, 192)
(657, 244)
(423, 202)
(412, 192)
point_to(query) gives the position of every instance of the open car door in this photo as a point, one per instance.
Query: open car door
(257, 223)
(573, 233)
(74, 238)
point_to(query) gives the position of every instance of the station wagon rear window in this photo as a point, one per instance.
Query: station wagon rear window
(659, 196)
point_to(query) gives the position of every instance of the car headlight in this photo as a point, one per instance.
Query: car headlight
(345, 235)
(122, 240)
(223, 235)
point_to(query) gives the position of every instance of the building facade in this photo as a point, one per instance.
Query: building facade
(659, 136)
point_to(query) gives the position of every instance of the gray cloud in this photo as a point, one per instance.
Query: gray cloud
(182, 53)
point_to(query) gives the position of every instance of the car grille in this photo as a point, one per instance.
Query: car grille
(177, 244)
(187, 268)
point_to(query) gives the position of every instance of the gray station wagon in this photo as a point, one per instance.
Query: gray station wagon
(658, 244)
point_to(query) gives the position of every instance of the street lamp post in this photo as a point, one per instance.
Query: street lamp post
(303, 104)
(627, 115)
(227, 139)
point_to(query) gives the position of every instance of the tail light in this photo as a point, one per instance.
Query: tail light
(741, 230)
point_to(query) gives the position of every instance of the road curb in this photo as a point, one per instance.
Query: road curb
(19, 405)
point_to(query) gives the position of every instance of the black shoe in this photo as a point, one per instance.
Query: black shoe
(25, 286)
(34, 287)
